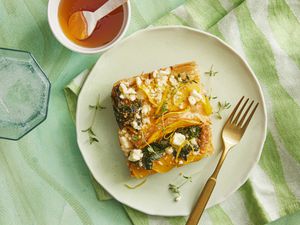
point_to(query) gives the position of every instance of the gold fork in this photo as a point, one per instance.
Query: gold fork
(232, 133)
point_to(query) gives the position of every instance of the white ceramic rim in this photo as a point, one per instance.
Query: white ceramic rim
(242, 181)
(61, 37)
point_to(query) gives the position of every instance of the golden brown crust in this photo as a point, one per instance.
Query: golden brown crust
(158, 90)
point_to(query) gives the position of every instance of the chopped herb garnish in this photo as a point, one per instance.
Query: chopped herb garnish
(221, 108)
(151, 153)
(211, 72)
(190, 132)
(187, 80)
(212, 97)
(164, 108)
(137, 185)
(96, 107)
(92, 136)
(135, 138)
(175, 189)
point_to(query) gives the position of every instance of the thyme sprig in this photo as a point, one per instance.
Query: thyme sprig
(211, 72)
(92, 136)
(175, 188)
(221, 108)
(210, 96)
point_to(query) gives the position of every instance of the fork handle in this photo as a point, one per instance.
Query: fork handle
(202, 201)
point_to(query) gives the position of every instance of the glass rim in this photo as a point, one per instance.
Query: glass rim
(48, 94)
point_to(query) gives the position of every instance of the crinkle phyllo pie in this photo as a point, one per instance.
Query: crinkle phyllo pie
(163, 119)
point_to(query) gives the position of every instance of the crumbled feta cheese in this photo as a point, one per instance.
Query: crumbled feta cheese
(196, 94)
(192, 100)
(123, 88)
(178, 198)
(178, 139)
(146, 120)
(195, 152)
(173, 81)
(137, 115)
(135, 155)
(140, 164)
(154, 74)
(132, 97)
(138, 81)
(164, 79)
(146, 109)
(148, 81)
(180, 162)
(158, 97)
(194, 141)
(160, 83)
(169, 150)
(129, 93)
(166, 71)
(135, 125)
(181, 106)
(125, 142)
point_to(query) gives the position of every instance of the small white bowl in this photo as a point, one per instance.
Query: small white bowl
(53, 21)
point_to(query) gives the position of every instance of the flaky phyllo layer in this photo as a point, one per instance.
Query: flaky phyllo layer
(163, 119)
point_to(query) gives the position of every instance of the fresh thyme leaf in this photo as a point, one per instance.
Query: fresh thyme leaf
(175, 189)
(210, 97)
(93, 139)
(91, 133)
(164, 108)
(135, 138)
(97, 107)
(221, 108)
(86, 130)
(186, 177)
(211, 72)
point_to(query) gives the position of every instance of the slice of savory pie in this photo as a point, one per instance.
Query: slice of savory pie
(163, 119)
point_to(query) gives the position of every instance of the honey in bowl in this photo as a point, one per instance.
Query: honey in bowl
(106, 30)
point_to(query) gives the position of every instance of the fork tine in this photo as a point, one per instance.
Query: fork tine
(250, 116)
(240, 112)
(234, 110)
(245, 114)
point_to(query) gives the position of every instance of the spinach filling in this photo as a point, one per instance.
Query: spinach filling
(190, 132)
(125, 110)
(155, 150)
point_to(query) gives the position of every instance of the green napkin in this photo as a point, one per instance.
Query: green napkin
(266, 34)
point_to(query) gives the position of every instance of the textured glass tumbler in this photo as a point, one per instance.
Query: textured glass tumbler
(24, 93)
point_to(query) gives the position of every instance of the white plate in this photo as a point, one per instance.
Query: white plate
(146, 51)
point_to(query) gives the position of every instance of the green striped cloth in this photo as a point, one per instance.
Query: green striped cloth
(267, 34)
(43, 179)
